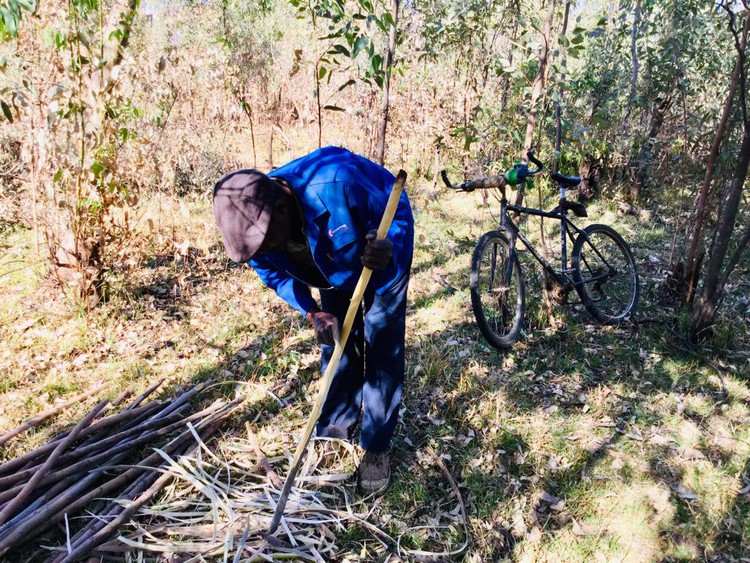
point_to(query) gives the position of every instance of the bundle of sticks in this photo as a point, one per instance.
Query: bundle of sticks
(77, 468)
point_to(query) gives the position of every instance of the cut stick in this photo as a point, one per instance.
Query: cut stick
(45, 497)
(71, 462)
(138, 400)
(81, 494)
(167, 406)
(121, 397)
(100, 537)
(182, 399)
(325, 384)
(129, 445)
(262, 459)
(30, 457)
(66, 500)
(112, 509)
(143, 413)
(18, 501)
(49, 414)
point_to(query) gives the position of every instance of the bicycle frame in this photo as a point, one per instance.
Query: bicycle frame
(567, 230)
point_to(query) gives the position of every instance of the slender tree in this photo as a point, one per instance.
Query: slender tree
(537, 87)
(693, 258)
(385, 104)
(717, 272)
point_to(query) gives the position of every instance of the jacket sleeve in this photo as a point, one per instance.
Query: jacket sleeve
(291, 290)
(367, 202)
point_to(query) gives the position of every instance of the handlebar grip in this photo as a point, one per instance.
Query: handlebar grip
(532, 158)
(444, 176)
(485, 183)
(471, 185)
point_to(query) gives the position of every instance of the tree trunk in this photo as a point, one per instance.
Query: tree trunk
(633, 96)
(537, 88)
(506, 77)
(645, 155)
(713, 286)
(690, 271)
(385, 104)
(318, 104)
(540, 79)
(558, 108)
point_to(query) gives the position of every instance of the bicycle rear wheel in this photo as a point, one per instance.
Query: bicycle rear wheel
(605, 274)
(497, 292)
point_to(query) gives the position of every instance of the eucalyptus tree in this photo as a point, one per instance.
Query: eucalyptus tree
(62, 82)
(247, 35)
(689, 270)
(474, 47)
(357, 40)
(641, 86)
(726, 249)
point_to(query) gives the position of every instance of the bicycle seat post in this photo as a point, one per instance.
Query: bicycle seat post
(563, 230)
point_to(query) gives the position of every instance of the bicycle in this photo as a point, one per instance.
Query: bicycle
(602, 267)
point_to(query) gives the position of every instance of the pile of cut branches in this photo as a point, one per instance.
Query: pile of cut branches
(221, 501)
(77, 468)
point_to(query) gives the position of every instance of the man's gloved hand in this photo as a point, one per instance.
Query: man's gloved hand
(323, 324)
(377, 252)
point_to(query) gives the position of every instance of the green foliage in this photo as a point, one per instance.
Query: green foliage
(11, 12)
(73, 85)
(676, 43)
(351, 36)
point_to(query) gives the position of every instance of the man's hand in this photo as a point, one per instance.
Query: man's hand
(377, 252)
(323, 324)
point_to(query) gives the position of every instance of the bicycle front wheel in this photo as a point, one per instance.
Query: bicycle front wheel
(497, 292)
(605, 274)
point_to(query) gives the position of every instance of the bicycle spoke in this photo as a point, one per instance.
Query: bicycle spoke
(605, 274)
(496, 291)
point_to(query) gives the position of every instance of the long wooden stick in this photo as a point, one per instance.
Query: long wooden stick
(49, 413)
(325, 385)
(30, 459)
(262, 459)
(82, 493)
(66, 469)
(18, 501)
(139, 399)
(71, 463)
(107, 421)
(72, 493)
(88, 543)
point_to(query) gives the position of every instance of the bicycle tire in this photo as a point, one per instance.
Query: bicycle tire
(498, 305)
(605, 274)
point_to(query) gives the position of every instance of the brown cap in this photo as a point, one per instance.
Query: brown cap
(243, 204)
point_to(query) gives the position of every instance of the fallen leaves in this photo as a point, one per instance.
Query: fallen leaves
(689, 454)
(683, 492)
(582, 529)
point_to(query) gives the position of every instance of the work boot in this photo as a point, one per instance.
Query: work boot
(374, 472)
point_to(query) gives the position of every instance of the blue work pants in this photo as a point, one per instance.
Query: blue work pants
(370, 375)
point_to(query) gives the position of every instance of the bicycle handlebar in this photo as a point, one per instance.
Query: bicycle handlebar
(532, 158)
(471, 185)
(516, 175)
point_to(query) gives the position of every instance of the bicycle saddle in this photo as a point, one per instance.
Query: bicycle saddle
(567, 181)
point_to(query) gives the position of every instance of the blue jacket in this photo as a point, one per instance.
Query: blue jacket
(342, 196)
